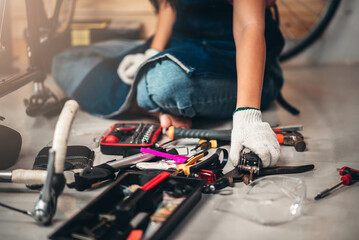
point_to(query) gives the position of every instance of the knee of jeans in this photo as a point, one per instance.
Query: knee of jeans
(165, 84)
(143, 99)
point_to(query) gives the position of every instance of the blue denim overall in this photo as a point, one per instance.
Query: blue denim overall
(195, 76)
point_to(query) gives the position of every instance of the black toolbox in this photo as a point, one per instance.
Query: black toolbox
(87, 223)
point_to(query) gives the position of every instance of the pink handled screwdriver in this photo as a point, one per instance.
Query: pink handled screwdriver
(177, 158)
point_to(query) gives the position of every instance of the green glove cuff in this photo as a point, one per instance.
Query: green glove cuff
(244, 108)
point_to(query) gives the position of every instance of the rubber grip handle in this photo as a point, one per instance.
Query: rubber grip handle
(286, 170)
(346, 179)
(155, 181)
(176, 133)
(347, 170)
(280, 137)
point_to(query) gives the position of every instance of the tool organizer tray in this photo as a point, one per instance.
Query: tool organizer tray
(107, 203)
(123, 136)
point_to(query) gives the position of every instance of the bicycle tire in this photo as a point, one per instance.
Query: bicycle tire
(314, 33)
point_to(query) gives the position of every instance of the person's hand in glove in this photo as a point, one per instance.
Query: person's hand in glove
(129, 65)
(250, 132)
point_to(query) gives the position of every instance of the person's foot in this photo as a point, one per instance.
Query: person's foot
(168, 120)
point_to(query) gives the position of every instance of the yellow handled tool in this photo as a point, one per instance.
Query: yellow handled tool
(184, 168)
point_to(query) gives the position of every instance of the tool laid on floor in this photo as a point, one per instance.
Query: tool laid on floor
(292, 138)
(288, 128)
(348, 175)
(237, 175)
(207, 144)
(176, 133)
(91, 176)
(185, 168)
(208, 169)
(285, 135)
(250, 168)
(175, 157)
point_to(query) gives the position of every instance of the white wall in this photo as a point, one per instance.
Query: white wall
(340, 43)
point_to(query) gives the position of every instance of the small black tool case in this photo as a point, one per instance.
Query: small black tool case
(87, 223)
(127, 135)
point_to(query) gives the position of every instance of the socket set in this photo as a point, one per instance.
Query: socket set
(123, 136)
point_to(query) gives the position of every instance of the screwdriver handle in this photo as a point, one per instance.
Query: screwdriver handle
(347, 170)
(176, 133)
(346, 179)
(177, 158)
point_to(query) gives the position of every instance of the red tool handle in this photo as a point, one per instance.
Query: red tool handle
(155, 181)
(346, 179)
(351, 171)
(280, 137)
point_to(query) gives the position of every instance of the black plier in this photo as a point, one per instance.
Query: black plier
(238, 175)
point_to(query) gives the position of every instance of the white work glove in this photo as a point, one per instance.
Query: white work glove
(129, 65)
(250, 132)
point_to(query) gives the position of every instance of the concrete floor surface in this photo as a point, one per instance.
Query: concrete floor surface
(328, 100)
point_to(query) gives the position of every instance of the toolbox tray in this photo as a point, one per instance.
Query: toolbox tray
(107, 201)
(146, 135)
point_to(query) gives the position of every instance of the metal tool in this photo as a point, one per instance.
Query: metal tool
(292, 138)
(45, 207)
(347, 170)
(185, 168)
(175, 133)
(249, 162)
(348, 174)
(288, 128)
(105, 172)
(238, 175)
(177, 158)
(136, 134)
(285, 135)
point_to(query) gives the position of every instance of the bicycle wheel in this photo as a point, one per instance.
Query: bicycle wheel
(302, 22)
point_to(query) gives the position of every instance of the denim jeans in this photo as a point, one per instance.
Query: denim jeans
(166, 87)
(88, 75)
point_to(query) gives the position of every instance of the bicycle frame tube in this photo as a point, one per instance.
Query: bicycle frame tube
(19, 80)
(36, 17)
